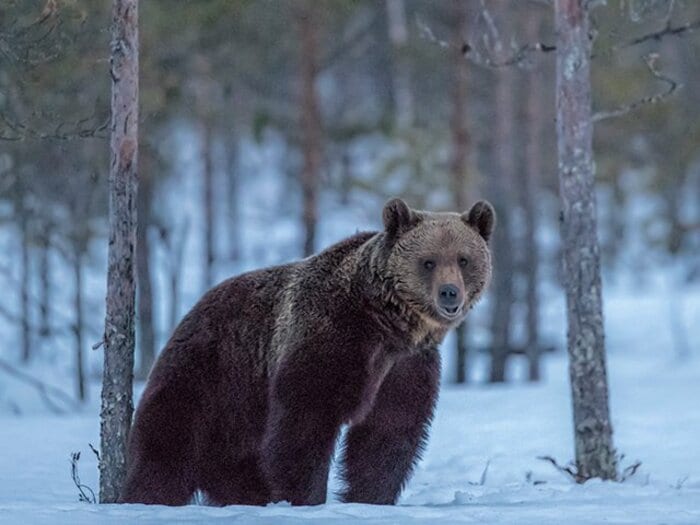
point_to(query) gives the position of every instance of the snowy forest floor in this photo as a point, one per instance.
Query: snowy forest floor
(481, 465)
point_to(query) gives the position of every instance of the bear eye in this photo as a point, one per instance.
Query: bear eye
(429, 264)
(463, 262)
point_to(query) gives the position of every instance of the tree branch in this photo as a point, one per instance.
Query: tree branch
(672, 86)
(78, 130)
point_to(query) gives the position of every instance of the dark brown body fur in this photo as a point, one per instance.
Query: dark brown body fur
(247, 399)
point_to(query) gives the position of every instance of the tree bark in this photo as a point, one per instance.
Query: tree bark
(500, 184)
(117, 381)
(144, 303)
(595, 455)
(460, 157)
(528, 187)
(310, 121)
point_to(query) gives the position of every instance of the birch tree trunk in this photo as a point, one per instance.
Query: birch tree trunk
(460, 156)
(117, 403)
(310, 121)
(595, 455)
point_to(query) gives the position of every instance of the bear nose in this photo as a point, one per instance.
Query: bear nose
(449, 296)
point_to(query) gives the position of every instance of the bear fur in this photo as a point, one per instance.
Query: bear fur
(247, 399)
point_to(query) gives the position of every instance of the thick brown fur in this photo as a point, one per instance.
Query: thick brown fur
(247, 399)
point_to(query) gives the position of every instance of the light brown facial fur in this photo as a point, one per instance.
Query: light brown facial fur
(440, 262)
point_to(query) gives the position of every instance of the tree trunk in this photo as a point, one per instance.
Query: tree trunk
(144, 303)
(208, 177)
(310, 121)
(595, 455)
(500, 185)
(79, 324)
(117, 381)
(401, 78)
(45, 283)
(460, 156)
(528, 187)
(232, 200)
(24, 287)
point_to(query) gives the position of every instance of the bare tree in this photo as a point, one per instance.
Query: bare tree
(24, 283)
(528, 190)
(461, 144)
(78, 327)
(208, 203)
(144, 303)
(310, 119)
(595, 455)
(117, 381)
(401, 73)
(45, 279)
(500, 192)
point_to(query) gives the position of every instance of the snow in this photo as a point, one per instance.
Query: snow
(655, 417)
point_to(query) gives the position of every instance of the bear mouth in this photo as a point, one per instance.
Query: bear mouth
(450, 312)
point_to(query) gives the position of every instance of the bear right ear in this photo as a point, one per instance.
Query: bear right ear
(482, 217)
(397, 217)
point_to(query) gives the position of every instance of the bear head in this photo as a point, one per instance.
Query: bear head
(439, 263)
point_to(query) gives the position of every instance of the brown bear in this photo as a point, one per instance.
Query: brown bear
(247, 399)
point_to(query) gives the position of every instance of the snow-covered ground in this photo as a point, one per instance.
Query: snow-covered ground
(481, 465)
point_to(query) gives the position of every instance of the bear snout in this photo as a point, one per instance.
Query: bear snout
(450, 299)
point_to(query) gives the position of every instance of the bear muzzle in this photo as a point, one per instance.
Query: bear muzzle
(450, 301)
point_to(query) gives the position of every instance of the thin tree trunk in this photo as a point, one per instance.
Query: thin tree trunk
(117, 381)
(45, 282)
(144, 303)
(310, 121)
(398, 36)
(24, 287)
(528, 186)
(79, 324)
(500, 182)
(232, 200)
(208, 176)
(595, 455)
(177, 257)
(460, 157)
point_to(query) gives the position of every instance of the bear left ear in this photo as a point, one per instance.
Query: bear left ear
(482, 217)
(398, 217)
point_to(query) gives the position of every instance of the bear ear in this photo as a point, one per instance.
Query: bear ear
(398, 217)
(482, 217)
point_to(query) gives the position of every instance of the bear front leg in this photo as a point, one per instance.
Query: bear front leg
(297, 452)
(381, 451)
(303, 422)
